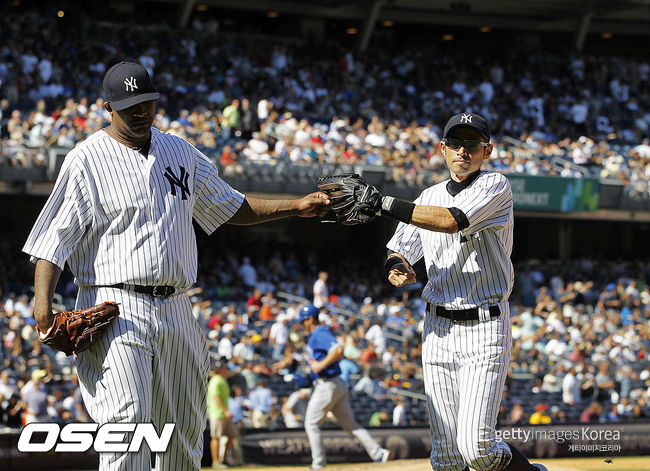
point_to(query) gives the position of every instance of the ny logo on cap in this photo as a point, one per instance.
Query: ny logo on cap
(130, 83)
(466, 118)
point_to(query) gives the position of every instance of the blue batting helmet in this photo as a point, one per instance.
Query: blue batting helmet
(309, 311)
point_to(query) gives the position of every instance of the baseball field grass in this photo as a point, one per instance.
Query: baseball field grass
(626, 463)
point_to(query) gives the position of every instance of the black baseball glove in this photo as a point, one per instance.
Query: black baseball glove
(353, 200)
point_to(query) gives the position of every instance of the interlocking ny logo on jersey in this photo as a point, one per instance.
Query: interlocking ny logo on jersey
(130, 84)
(466, 118)
(181, 181)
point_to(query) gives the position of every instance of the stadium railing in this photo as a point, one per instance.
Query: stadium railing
(279, 176)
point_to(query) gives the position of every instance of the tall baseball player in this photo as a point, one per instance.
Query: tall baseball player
(330, 392)
(463, 229)
(120, 215)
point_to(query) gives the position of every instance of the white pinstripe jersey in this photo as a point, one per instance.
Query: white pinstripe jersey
(471, 267)
(117, 216)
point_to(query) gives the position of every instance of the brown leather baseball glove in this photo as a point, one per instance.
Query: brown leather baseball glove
(74, 331)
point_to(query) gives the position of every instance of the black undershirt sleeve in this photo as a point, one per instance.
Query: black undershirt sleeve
(459, 216)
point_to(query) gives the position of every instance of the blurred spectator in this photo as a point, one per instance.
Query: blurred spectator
(517, 415)
(624, 407)
(604, 382)
(368, 355)
(638, 413)
(369, 383)
(592, 413)
(231, 115)
(261, 404)
(557, 415)
(379, 418)
(13, 410)
(399, 413)
(221, 423)
(7, 388)
(279, 336)
(225, 349)
(244, 349)
(236, 408)
(376, 336)
(248, 275)
(540, 416)
(320, 290)
(612, 415)
(35, 397)
(570, 388)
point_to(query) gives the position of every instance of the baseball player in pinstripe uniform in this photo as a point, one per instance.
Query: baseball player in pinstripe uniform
(120, 215)
(330, 392)
(463, 229)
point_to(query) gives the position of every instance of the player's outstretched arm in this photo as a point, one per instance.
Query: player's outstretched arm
(257, 210)
(356, 202)
(434, 218)
(46, 276)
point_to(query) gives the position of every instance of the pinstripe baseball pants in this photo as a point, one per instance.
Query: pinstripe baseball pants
(151, 365)
(465, 366)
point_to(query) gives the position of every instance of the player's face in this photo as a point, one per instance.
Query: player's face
(308, 324)
(135, 122)
(463, 152)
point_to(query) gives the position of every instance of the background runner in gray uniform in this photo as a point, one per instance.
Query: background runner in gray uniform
(120, 215)
(330, 392)
(463, 229)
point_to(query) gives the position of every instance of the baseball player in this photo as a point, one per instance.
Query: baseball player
(330, 392)
(120, 215)
(463, 229)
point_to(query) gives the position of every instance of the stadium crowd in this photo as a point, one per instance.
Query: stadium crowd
(580, 330)
(580, 333)
(243, 100)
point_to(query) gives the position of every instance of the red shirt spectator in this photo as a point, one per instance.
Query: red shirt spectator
(368, 355)
(255, 299)
(591, 413)
(214, 322)
(227, 157)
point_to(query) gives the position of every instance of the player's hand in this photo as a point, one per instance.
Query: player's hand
(317, 366)
(402, 274)
(228, 415)
(314, 204)
(44, 319)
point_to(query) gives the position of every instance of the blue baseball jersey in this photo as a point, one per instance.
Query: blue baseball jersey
(321, 341)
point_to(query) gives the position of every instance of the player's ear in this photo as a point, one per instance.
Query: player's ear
(487, 152)
(442, 148)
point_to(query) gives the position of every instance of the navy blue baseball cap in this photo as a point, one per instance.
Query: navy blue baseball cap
(309, 311)
(127, 84)
(468, 120)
